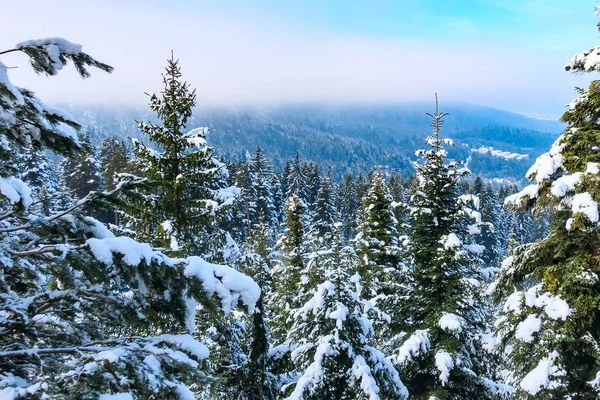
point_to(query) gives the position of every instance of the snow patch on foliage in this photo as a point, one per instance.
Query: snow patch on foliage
(554, 307)
(539, 378)
(110, 356)
(592, 168)
(527, 328)
(451, 322)
(417, 343)
(197, 137)
(548, 163)
(513, 303)
(97, 229)
(530, 192)
(565, 184)
(16, 191)
(339, 315)
(451, 241)
(584, 203)
(184, 392)
(444, 363)
(229, 285)
(187, 343)
(313, 374)
(14, 91)
(133, 252)
(362, 372)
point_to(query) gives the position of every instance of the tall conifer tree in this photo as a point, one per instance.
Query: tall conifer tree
(377, 238)
(184, 197)
(291, 276)
(439, 357)
(550, 288)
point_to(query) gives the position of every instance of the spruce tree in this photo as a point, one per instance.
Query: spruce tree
(262, 176)
(256, 381)
(313, 182)
(550, 288)
(291, 275)
(246, 212)
(82, 173)
(41, 175)
(377, 238)
(349, 209)
(488, 236)
(439, 356)
(334, 337)
(278, 200)
(183, 198)
(296, 180)
(323, 211)
(115, 158)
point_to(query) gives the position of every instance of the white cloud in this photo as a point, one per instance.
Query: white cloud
(233, 60)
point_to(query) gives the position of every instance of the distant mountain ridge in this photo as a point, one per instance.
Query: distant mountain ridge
(353, 138)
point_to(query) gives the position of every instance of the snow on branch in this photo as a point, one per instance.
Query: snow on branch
(23, 116)
(587, 61)
(16, 191)
(229, 285)
(49, 55)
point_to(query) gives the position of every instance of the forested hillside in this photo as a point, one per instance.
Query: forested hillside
(352, 139)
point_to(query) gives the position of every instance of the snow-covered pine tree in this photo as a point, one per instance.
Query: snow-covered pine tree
(254, 380)
(377, 239)
(323, 210)
(85, 314)
(245, 213)
(36, 170)
(262, 175)
(313, 182)
(550, 288)
(115, 158)
(278, 200)
(334, 338)
(362, 184)
(477, 186)
(41, 175)
(184, 197)
(291, 276)
(285, 178)
(439, 357)
(488, 237)
(400, 189)
(349, 208)
(296, 181)
(505, 222)
(82, 173)
(83, 170)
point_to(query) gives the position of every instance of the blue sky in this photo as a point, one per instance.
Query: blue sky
(507, 54)
(563, 22)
